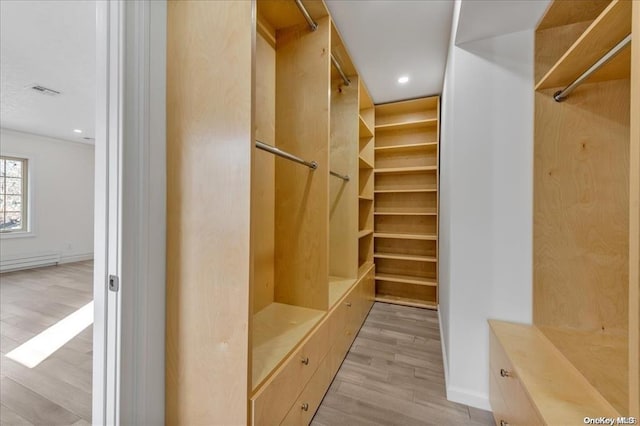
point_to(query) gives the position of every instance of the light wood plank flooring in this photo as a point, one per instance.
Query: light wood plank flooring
(57, 391)
(393, 375)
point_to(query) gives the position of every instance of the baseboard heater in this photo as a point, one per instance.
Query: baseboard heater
(14, 263)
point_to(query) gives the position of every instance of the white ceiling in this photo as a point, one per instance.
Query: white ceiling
(49, 43)
(480, 19)
(390, 38)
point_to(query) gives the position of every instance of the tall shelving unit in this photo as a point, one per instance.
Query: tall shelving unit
(406, 202)
(366, 119)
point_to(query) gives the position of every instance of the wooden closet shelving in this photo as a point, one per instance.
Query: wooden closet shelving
(271, 277)
(406, 202)
(366, 119)
(581, 355)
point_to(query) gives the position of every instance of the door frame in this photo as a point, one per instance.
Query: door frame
(129, 230)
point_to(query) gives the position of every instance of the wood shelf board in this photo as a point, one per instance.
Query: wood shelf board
(365, 232)
(338, 287)
(410, 147)
(406, 213)
(364, 267)
(406, 169)
(365, 198)
(280, 14)
(405, 301)
(565, 12)
(406, 279)
(393, 191)
(601, 357)
(425, 237)
(277, 330)
(562, 395)
(365, 131)
(365, 98)
(613, 25)
(408, 106)
(363, 163)
(417, 124)
(399, 256)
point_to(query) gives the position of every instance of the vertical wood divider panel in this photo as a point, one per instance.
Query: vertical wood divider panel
(209, 155)
(634, 222)
(263, 177)
(301, 200)
(343, 210)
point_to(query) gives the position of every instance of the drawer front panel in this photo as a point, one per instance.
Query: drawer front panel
(306, 405)
(517, 408)
(271, 404)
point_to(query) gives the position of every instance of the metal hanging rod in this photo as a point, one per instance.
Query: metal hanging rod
(312, 24)
(339, 69)
(561, 95)
(280, 153)
(338, 175)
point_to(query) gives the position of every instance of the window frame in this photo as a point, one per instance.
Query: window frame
(25, 229)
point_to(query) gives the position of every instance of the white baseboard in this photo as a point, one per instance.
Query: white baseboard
(76, 258)
(455, 394)
(470, 398)
(39, 260)
(445, 360)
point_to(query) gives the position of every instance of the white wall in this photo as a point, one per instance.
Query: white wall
(486, 202)
(61, 177)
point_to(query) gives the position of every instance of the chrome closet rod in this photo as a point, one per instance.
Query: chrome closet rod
(280, 153)
(339, 69)
(343, 177)
(312, 24)
(561, 95)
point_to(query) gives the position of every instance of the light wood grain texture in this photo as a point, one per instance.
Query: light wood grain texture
(365, 211)
(338, 287)
(406, 279)
(519, 409)
(411, 293)
(407, 224)
(406, 169)
(634, 224)
(302, 128)
(407, 212)
(552, 43)
(581, 208)
(407, 125)
(409, 147)
(365, 253)
(613, 24)
(558, 392)
(365, 102)
(341, 54)
(406, 181)
(406, 136)
(602, 358)
(406, 236)
(406, 201)
(565, 12)
(406, 247)
(277, 330)
(407, 267)
(405, 301)
(407, 111)
(365, 130)
(263, 177)
(283, 14)
(209, 154)
(343, 208)
(365, 182)
(407, 158)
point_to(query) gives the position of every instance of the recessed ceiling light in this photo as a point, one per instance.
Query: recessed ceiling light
(404, 79)
(77, 130)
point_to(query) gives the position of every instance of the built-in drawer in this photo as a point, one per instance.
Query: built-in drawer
(309, 400)
(498, 406)
(517, 409)
(272, 402)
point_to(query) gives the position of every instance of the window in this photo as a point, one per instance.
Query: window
(13, 194)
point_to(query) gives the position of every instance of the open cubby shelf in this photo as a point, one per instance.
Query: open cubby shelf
(406, 169)
(395, 191)
(365, 131)
(405, 301)
(401, 125)
(396, 256)
(407, 147)
(406, 279)
(431, 237)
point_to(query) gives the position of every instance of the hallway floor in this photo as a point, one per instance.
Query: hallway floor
(393, 375)
(58, 390)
